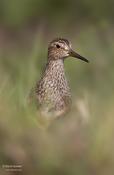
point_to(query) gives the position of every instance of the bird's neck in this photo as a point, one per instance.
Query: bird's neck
(55, 67)
(55, 73)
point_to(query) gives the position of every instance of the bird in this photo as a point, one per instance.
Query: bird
(52, 91)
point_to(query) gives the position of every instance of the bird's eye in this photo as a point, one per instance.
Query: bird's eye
(57, 45)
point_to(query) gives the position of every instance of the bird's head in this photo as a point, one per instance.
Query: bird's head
(61, 48)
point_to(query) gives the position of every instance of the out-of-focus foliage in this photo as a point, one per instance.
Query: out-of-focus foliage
(16, 13)
(82, 142)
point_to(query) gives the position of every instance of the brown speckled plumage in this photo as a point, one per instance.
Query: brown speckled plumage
(52, 91)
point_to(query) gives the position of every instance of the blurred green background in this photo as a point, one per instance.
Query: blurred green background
(68, 147)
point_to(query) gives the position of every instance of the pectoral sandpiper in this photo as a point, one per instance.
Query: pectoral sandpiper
(52, 92)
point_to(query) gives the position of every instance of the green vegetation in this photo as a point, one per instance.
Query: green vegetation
(68, 147)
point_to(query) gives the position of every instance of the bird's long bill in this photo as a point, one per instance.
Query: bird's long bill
(76, 55)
